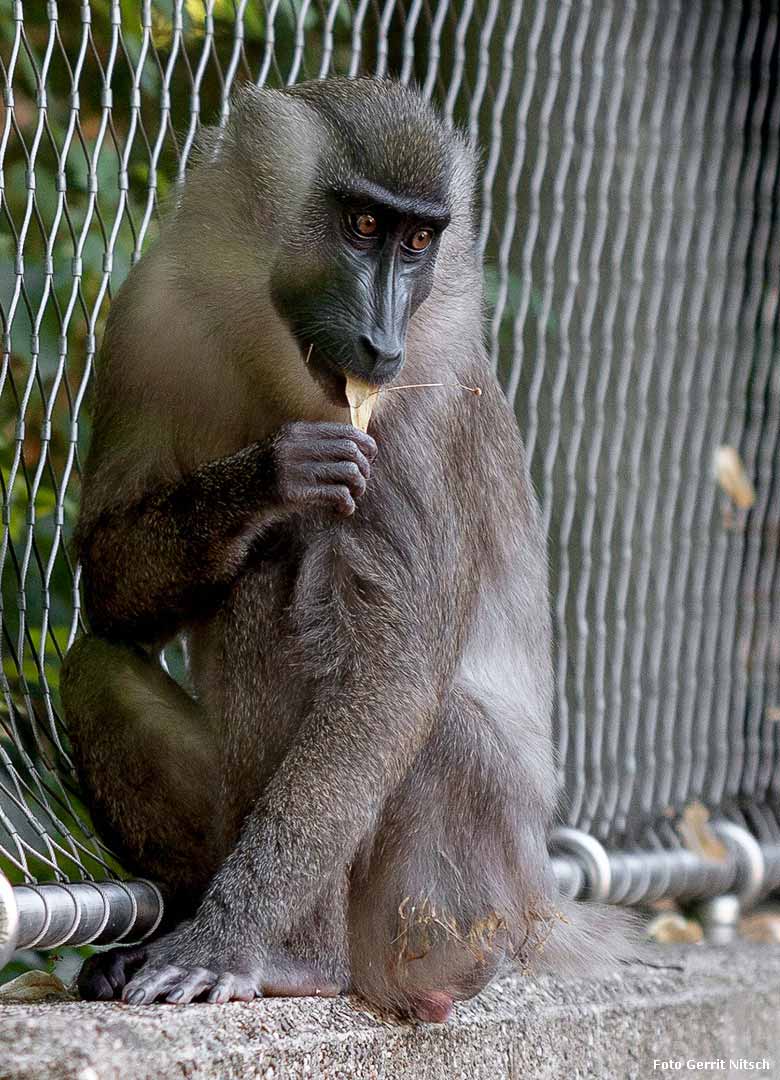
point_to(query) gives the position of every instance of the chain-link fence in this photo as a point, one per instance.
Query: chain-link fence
(629, 220)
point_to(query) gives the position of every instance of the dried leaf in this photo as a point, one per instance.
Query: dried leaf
(664, 904)
(730, 474)
(361, 397)
(762, 927)
(697, 835)
(671, 928)
(34, 986)
(484, 930)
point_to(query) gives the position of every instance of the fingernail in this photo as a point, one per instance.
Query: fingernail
(136, 997)
(176, 995)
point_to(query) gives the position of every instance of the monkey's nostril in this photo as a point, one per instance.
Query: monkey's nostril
(383, 356)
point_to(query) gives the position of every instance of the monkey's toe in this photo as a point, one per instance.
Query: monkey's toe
(192, 985)
(104, 975)
(230, 987)
(179, 985)
(154, 981)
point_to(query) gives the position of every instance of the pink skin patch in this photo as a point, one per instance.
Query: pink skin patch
(433, 1008)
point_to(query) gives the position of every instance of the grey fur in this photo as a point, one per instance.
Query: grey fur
(366, 773)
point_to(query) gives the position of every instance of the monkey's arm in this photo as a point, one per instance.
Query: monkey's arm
(152, 566)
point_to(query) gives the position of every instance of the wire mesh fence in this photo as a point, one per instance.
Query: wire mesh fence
(629, 222)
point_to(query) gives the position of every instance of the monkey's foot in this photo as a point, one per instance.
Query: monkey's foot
(104, 975)
(278, 975)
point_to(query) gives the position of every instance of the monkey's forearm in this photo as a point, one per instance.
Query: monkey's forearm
(150, 567)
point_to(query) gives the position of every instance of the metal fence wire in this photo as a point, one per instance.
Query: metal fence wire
(629, 222)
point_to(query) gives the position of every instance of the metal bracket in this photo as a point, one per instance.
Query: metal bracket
(751, 865)
(9, 921)
(591, 855)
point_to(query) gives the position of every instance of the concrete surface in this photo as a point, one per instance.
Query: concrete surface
(724, 1006)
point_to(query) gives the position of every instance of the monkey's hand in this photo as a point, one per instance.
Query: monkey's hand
(322, 465)
(182, 966)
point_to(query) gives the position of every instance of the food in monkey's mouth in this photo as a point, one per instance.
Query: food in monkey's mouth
(360, 394)
(361, 397)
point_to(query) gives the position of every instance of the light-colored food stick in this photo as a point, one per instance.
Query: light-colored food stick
(361, 397)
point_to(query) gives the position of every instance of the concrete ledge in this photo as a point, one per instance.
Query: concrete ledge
(724, 1006)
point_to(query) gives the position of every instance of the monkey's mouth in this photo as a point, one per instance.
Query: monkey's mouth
(330, 379)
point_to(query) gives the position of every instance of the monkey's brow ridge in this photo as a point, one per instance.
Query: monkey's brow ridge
(409, 204)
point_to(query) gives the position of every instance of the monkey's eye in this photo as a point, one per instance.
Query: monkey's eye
(420, 240)
(364, 225)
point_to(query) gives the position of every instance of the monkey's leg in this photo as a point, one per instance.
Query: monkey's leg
(147, 762)
(440, 901)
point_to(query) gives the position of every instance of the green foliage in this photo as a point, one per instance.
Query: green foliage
(64, 963)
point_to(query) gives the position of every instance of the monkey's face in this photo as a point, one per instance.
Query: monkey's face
(349, 283)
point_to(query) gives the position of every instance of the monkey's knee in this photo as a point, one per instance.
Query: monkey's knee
(121, 708)
(99, 721)
(146, 761)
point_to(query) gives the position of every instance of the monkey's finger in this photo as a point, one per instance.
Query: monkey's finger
(103, 975)
(339, 451)
(364, 441)
(344, 472)
(116, 976)
(363, 454)
(331, 496)
(122, 965)
(363, 464)
(149, 985)
(193, 984)
(348, 431)
(342, 499)
(92, 982)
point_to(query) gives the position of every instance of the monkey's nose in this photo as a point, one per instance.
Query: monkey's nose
(383, 355)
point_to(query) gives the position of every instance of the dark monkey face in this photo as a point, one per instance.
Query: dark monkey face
(361, 257)
(371, 268)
